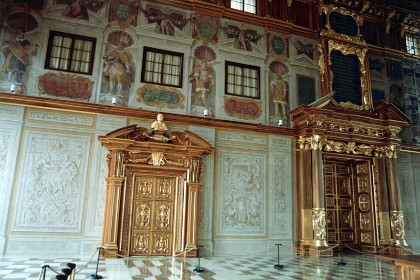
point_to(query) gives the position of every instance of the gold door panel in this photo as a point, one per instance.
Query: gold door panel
(153, 215)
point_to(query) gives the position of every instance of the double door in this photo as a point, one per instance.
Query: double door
(153, 215)
(350, 203)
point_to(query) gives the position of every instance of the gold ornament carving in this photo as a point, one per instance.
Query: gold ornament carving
(163, 217)
(365, 237)
(157, 159)
(394, 131)
(319, 223)
(314, 142)
(321, 62)
(361, 55)
(397, 227)
(365, 222)
(141, 243)
(144, 189)
(387, 151)
(143, 217)
(161, 244)
(327, 9)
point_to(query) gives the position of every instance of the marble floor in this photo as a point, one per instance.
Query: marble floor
(357, 266)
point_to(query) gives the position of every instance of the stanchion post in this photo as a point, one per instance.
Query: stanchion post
(43, 271)
(96, 275)
(341, 262)
(72, 268)
(278, 265)
(198, 269)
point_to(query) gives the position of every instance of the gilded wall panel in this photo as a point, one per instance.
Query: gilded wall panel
(241, 194)
(52, 185)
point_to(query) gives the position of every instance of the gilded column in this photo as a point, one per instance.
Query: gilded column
(304, 198)
(318, 200)
(396, 214)
(114, 185)
(193, 187)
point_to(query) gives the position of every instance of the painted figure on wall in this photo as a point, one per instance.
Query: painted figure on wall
(119, 67)
(165, 21)
(243, 37)
(202, 77)
(79, 9)
(16, 54)
(280, 92)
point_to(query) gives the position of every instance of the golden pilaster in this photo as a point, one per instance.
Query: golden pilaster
(192, 217)
(114, 187)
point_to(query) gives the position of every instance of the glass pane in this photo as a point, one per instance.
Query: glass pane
(67, 42)
(236, 4)
(87, 46)
(63, 64)
(65, 53)
(58, 40)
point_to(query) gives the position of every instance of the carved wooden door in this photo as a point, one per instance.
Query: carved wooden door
(339, 203)
(364, 196)
(153, 201)
(349, 203)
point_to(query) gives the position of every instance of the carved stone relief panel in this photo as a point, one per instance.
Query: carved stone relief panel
(280, 208)
(97, 193)
(52, 186)
(5, 139)
(241, 194)
(8, 150)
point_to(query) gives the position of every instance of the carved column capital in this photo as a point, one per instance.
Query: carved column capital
(314, 142)
(390, 151)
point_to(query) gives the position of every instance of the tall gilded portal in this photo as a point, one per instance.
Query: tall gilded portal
(152, 195)
(350, 198)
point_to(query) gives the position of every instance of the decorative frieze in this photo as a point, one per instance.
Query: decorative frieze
(317, 142)
(60, 118)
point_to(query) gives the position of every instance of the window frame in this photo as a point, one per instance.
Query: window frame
(242, 3)
(163, 52)
(73, 37)
(415, 40)
(243, 66)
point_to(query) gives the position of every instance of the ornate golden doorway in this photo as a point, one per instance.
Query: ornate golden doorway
(152, 195)
(349, 200)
